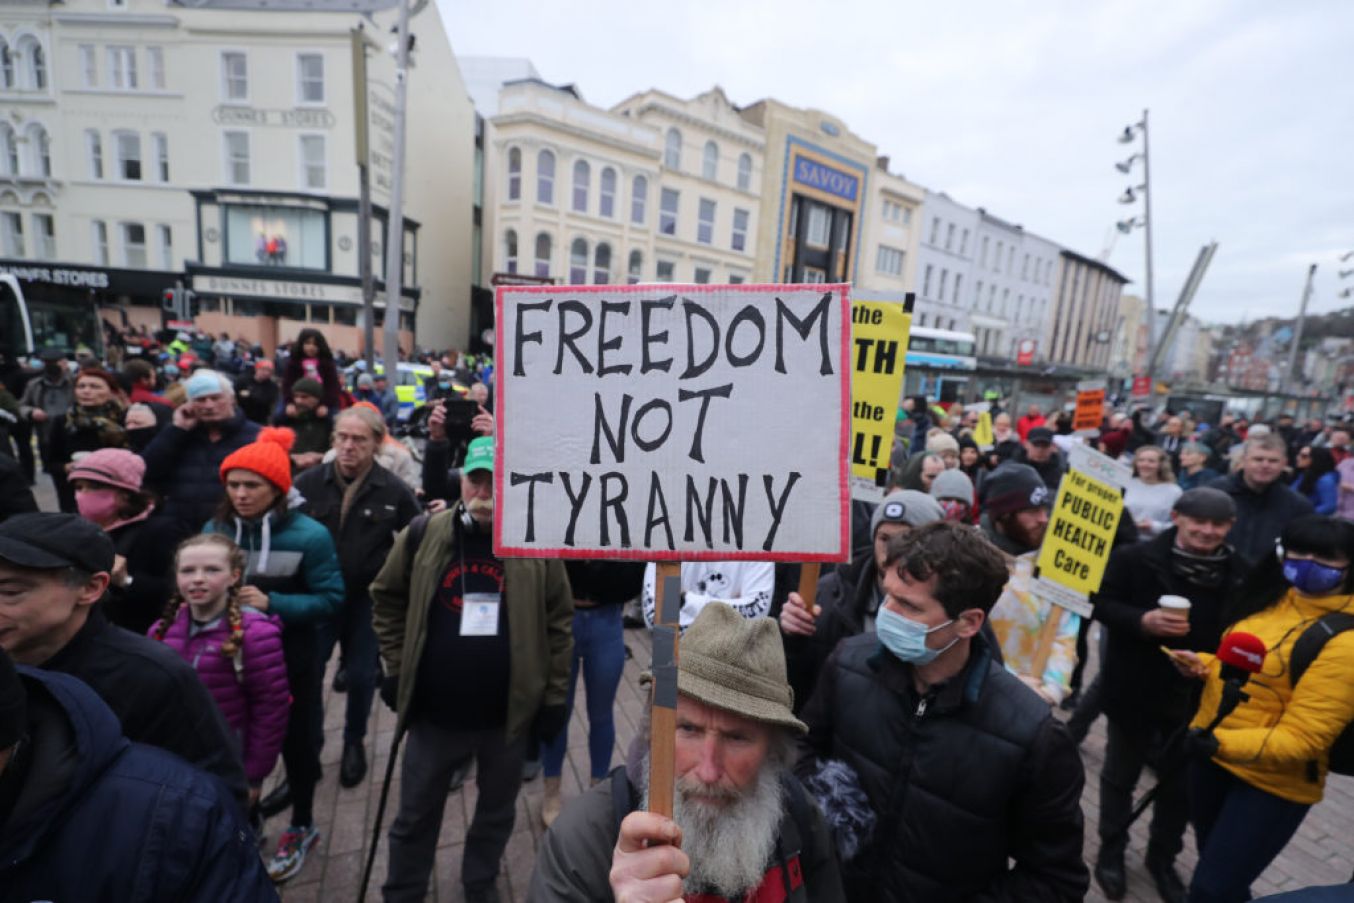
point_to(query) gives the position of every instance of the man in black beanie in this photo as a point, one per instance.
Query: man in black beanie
(85, 815)
(54, 570)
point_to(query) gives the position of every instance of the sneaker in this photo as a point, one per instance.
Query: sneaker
(485, 893)
(340, 683)
(292, 847)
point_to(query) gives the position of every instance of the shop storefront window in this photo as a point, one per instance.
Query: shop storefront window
(276, 236)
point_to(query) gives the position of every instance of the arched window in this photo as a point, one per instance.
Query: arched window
(606, 201)
(9, 150)
(545, 178)
(6, 66)
(35, 63)
(514, 174)
(582, 182)
(672, 152)
(710, 161)
(94, 144)
(578, 262)
(543, 254)
(639, 197)
(601, 264)
(39, 151)
(745, 172)
(636, 268)
(510, 251)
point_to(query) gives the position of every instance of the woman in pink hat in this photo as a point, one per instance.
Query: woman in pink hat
(107, 485)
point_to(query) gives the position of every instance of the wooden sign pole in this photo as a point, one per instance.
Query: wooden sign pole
(663, 698)
(1048, 633)
(808, 585)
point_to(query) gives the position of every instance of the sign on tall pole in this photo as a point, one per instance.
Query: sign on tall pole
(881, 323)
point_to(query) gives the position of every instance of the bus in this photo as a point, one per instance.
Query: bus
(940, 363)
(28, 324)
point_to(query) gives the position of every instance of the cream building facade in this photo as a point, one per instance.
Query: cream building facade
(213, 149)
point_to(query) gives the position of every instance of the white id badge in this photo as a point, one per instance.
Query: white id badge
(479, 614)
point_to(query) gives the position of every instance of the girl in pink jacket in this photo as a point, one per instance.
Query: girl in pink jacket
(237, 651)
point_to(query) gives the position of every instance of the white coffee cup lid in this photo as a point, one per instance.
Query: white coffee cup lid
(1173, 602)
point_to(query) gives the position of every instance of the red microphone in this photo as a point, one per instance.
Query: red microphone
(1242, 654)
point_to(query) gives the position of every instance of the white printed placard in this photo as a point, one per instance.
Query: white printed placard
(673, 422)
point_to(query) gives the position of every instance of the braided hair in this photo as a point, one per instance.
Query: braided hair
(235, 557)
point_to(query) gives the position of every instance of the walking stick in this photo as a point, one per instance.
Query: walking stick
(1232, 696)
(380, 814)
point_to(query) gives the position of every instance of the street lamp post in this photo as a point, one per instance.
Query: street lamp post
(1145, 221)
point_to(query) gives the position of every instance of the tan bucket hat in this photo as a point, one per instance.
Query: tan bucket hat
(737, 664)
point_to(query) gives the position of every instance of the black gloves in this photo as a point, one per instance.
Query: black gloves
(1200, 744)
(550, 720)
(390, 688)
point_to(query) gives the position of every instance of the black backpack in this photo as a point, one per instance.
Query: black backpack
(1305, 651)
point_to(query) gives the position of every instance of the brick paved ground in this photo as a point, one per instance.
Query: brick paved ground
(1321, 853)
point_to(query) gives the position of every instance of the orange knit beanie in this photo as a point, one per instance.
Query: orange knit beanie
(267, 456)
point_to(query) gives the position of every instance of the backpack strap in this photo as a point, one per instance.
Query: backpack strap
(418, 527)
(1313, 639)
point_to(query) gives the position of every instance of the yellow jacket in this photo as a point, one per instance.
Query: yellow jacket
(1279, 740)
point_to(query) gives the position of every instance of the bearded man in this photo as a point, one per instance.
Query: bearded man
(743, 828)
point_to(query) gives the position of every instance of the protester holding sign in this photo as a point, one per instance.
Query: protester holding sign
(1015, 518)
(745, 828)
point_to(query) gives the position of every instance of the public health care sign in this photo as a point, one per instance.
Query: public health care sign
(673, 422)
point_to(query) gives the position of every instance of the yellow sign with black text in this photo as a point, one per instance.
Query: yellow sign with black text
(1080, 533)
(879, 332)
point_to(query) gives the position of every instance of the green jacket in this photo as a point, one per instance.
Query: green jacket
(540, 609)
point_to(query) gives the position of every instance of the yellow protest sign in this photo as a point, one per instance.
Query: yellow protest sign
(982, 431)
(1081, 531)
(880, 325)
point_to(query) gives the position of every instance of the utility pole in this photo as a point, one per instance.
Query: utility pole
(361, 138)
(1147, 232)
(1290, 372)
(395, 224)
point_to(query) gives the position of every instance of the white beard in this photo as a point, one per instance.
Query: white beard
(729, 846)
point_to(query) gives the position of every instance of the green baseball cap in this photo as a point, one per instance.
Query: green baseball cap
(479, 455)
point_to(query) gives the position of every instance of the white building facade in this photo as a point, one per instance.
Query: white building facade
(213, 149)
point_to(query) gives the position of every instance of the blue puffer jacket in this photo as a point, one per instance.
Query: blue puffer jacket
(185, 467)
(98, 818)
(292, 559)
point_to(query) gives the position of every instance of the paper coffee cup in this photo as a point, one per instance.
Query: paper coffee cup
(1175, 604)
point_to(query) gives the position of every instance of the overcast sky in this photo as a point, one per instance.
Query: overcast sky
(1015, 106)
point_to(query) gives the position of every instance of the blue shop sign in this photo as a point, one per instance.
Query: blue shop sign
(825, 178)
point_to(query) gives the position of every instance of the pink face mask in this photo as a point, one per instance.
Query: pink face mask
(97, 505)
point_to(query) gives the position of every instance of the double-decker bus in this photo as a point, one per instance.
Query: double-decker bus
(940, 363)
(29, 323)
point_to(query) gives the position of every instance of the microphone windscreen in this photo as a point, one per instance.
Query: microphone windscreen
(1242, 650)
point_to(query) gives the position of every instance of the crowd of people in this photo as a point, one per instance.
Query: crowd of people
(229, 521)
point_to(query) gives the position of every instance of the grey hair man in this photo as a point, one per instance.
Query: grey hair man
(741, 821)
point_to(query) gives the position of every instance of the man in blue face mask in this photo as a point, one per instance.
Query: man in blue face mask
(975, 786)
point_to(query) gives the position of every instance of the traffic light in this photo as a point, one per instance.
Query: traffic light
(169, 300)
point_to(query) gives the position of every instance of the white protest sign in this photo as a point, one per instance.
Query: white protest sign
(673, 422)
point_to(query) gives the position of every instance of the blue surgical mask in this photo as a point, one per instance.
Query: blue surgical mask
(1311, 577)
(906, 638)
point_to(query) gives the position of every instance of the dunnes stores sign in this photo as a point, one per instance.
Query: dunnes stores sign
(226, 114)
(277, 289)
(833, 181)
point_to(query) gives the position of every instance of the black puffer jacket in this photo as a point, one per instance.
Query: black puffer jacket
(185, 467)
(1140, 685)
(1260, 516)
(383, 507)
(974, 774)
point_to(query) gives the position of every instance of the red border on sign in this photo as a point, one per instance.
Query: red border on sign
(501, 401)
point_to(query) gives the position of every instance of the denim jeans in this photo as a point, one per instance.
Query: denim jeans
(1239, 830)
(599, 644)
(353, 629)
